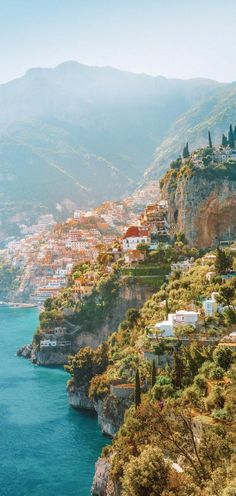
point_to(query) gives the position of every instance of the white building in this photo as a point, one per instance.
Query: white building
(134, 236)
(60, 272)
(56, 282)
(182, 266)
(48, 343)
(166, 327)
(181, 317)
(210, 306)
(186, 317)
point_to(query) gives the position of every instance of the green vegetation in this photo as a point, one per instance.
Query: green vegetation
(186, 151)
(137, 393)
(202, 163)
(186, 413)
(88, 312)
(8, 278)
(209, 140)
(87, 364)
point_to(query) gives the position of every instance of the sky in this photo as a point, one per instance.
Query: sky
(173, 38)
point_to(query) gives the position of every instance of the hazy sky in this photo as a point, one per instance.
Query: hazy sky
(174, 38)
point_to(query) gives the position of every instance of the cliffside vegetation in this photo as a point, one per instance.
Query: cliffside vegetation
(104, 279)
(8, 279)
(73, 313)
(179, 438)
(210, 170)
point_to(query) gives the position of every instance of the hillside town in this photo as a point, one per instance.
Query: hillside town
(47, 251)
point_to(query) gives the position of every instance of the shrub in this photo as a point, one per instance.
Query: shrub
(99, 387)
(215, 399)
(201, 383)
(216, 373)
(191, 395)
(146, 475)
(223, 357)
(220, 414)
(165, 391)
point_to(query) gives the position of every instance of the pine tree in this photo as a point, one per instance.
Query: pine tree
(137, 393)
(154, 373)
(224, 141)
(186, 151)
(231, 136)
(209, 140)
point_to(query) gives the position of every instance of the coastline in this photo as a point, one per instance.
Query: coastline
(10, 304)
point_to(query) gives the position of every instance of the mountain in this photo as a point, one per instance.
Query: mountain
(76, 135)
(213, 113)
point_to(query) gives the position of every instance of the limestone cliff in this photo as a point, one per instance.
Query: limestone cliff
(131, 295)
(102, 483)
(202, 207)
(110, 410)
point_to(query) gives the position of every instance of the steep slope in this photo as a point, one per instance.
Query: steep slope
(214, 113)
(202, 200)
(84, 133)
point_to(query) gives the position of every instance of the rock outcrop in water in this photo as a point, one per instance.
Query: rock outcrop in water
(25, 351)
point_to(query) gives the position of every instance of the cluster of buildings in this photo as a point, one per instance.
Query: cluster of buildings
(46, 252)
(151, 227)
(219, 155)
(167, 328)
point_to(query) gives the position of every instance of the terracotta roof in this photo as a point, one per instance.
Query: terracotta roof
(135, 232)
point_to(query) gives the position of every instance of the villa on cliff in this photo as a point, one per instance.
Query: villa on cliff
(134, 236)
(180, 317)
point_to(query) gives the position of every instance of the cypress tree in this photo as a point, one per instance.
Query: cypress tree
(234, 133)
(186, 151)
(137, 393)
(154, 373)
(209, 140)
(178, 370)
(231, 136)
(224, 141)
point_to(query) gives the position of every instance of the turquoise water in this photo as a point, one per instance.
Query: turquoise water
(46, 448)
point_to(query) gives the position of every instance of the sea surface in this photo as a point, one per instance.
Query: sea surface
(46, 448)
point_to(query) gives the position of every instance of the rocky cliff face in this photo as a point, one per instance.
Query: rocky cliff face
(110, 410)
(78, 398)
(203, 209)
(102, 484)
(133, 295)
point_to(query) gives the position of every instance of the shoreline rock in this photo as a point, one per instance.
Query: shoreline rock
(25, 351)
(78, 399)
(110, 410)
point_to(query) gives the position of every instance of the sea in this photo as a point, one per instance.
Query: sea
(46, 447)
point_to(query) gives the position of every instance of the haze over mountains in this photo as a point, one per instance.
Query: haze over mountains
(86, 134)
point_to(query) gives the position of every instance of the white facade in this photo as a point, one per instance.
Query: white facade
(185, 317)
(166, 327)
(48, 343)
(210, 306)
(60, 272)
(57, 283)
(181, 317)
(131, 243)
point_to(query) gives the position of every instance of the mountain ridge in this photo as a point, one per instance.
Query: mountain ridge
(99, 127)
